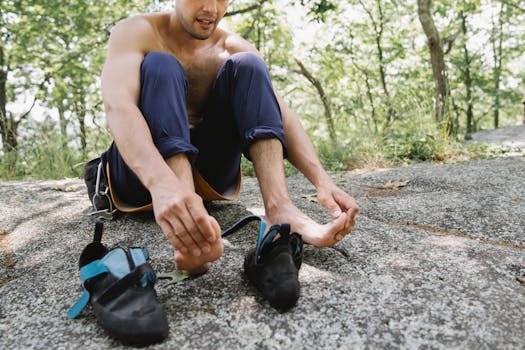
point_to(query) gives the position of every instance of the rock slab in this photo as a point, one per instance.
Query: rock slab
(436, 261)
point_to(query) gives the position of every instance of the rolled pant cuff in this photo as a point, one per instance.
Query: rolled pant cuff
(170, 146)
(262, 133)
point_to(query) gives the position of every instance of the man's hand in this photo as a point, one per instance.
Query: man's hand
(180, 213)
(337, 202)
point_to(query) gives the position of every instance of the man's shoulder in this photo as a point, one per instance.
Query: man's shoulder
(136, 24)
(139, 26)
(234, 43)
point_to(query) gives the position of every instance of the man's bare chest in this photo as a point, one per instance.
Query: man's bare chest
(201, 73)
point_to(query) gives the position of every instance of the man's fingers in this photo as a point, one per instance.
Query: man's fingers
(194, 228)
(353, 211)
(203, 224)
(348, 227)
(350, 222)
(346, 202)
(182, 226)
(216, 227)
(329, 203)
(338, 224)
(174, 240)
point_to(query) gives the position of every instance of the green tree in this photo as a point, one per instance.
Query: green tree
(52, 54)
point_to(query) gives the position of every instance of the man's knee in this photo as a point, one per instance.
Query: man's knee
(248, 62)
(163, 65)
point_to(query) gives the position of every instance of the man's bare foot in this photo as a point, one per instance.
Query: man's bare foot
(196, 265)
(313, 233)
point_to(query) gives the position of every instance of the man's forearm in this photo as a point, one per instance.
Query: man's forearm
(133, 139)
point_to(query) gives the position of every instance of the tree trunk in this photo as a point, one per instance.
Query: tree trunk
(63, 125)
(437, 59)
(497, 44)
(378, 26)
(371, 100)
(83, 139)
(8, 124)
(382, 64)
(368, 94)
(249, 8)
(12, 134)
(523, 109)
(258, 40)
(468, 75)
(3, 100)
(324, 98)
(81, 117)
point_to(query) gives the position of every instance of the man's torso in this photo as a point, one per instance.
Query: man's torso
(201, 66)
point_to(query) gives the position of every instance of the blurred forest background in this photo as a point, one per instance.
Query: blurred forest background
(375, 82)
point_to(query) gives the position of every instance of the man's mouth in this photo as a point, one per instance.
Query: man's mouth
(206, 22)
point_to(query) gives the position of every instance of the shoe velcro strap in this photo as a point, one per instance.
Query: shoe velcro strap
(90, 270)
(268, 241)
(142, 275)
(139, 255)
(297, 247)
(265, 239)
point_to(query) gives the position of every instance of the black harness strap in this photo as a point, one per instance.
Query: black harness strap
(240, 224)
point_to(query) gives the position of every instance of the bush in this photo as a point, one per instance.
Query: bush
(411, 148)
(42, 158)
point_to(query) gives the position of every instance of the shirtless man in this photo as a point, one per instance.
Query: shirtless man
(183, 53)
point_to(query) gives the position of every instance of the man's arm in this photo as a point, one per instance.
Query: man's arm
(178, 210)
(301, 152)
(302, 155)
(121, 92)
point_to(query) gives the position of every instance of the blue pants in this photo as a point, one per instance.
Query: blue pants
(241, 109)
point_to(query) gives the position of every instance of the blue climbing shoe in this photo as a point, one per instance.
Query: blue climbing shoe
(119, 285)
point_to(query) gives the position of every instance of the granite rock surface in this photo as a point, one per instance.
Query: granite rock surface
(436, 260)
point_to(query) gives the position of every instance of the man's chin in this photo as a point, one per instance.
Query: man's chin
(202, 34)
(201, 37)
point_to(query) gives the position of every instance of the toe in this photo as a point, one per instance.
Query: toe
(337, 224)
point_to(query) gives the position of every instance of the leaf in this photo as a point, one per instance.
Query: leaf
(67, 188)
(174, 276)
(395, 184)
(311, 197)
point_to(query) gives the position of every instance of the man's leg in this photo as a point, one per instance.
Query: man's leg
(267, 157)
(244, 92)
(163, 104)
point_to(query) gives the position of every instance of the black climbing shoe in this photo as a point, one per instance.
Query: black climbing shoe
(119, 285)
(273, 265)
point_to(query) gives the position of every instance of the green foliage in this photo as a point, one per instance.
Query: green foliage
(42, 158)
(48, 155)
(319, 9)
(54, 54)
(333, 158)
(370, 57)
(411, 148)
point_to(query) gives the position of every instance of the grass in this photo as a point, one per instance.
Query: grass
(47, 158)
(404, 148)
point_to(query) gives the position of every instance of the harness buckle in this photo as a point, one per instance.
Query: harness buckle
(105, 214)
